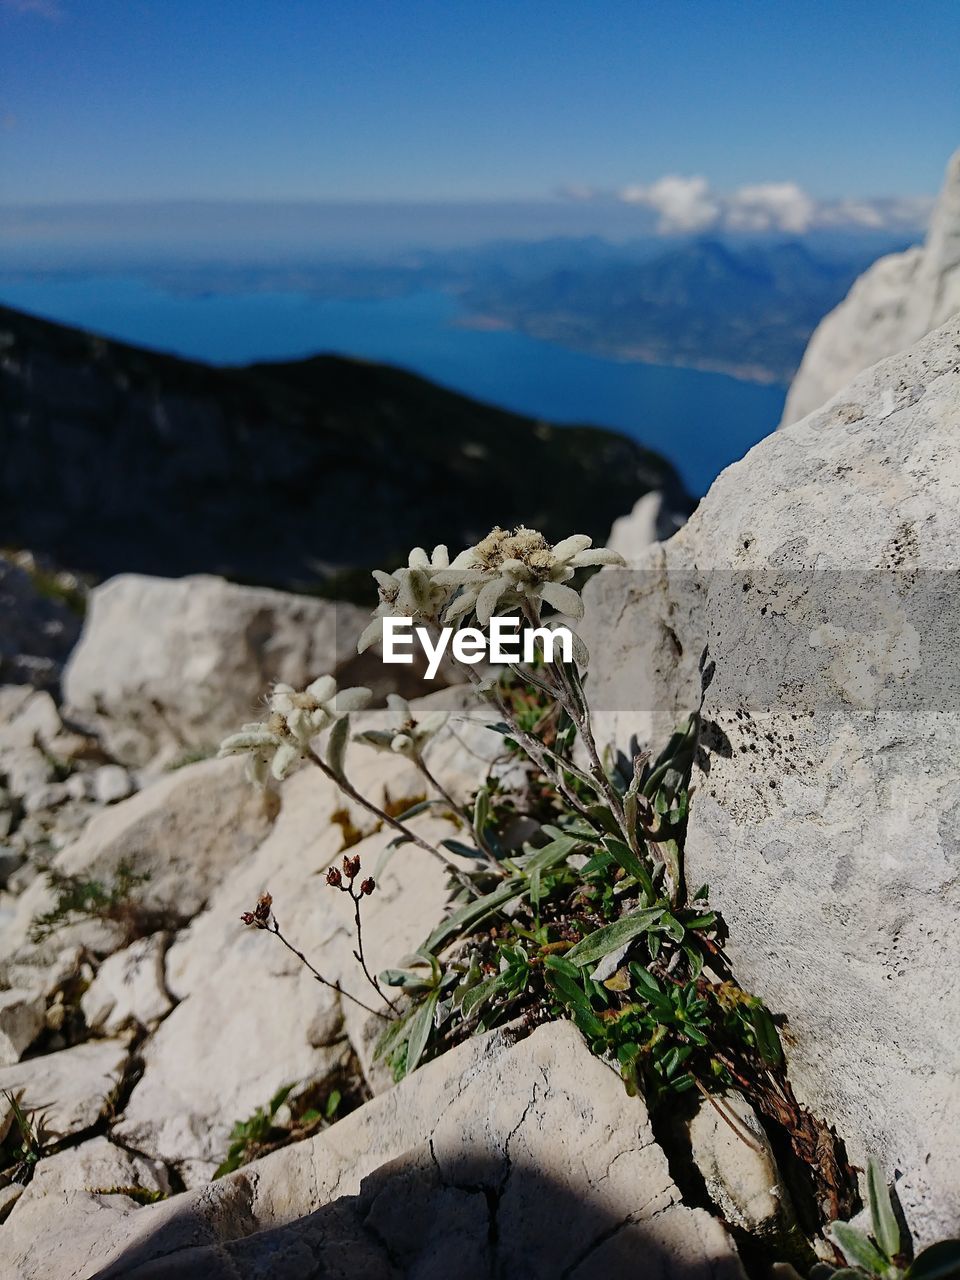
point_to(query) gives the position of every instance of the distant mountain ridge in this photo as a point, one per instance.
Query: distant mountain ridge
(113, 458)
(747, 311)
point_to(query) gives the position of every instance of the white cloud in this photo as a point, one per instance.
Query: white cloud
(771, 206)
(684, 204)
(690, 204)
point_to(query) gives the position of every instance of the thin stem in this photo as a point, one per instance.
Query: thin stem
(459, 810)
(350, 790)
(274, 928)
(358, 954)
(579, 713)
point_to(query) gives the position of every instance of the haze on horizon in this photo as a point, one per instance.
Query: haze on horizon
(424, 122)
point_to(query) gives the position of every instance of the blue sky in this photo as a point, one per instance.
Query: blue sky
(477, 100)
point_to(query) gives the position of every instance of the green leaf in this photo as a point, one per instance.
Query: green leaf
(421, 1025)
(672, 927)
(479, 994)
(626, 858)
(858, 1249)
(603, 817)
(471, 913)
(557, 851)
(768, 1038)
(405, 979)
(573, 997)
(337, 745)
(334, 1098)
(886, 1229)
(940, 1261)
(702, 922)
(462, 850)
(612, 937)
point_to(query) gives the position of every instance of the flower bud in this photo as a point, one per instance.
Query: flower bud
(368, 886)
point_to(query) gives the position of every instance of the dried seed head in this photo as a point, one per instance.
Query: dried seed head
(368, 886)
(334, 878)
(351, 867)
(262, 913)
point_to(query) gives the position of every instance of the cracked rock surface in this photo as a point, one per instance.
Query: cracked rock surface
(501, 1159)
(821, 573)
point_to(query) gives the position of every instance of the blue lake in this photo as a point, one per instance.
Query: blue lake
(701, 421)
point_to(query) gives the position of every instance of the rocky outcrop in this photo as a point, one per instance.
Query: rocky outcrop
(821, 573)
(652, 519)
(498, 1159)
(165, 664)
(892, 305)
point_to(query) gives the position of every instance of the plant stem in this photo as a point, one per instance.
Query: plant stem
(459, 810)
(350, 790)
(274, 928)
(358, 954)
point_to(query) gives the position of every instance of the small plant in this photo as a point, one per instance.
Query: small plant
(26, 1143)
(567, 889)
(114, 901)
(262, 1132)
(885, 1254)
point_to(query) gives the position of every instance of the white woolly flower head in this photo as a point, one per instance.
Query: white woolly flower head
(407, 736)
(276, 745)
(421, 590)
(520, 567)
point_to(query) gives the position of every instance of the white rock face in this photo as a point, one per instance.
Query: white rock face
(250, 1018)
(499, 1159)
(21, 1021)
(70, 1088)
(895, 303)
(739, 1168)
(821, 571)
(130, 988)
(651, 520)
(110, 783)
(167, 664)
(186, 832)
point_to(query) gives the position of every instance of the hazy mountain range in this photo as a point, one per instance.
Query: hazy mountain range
(734, 306)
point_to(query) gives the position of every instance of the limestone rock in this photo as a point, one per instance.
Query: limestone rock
(821, 572)
(498, 1159)
(96, 1166)
(167, 664)
(9, 1195)
(48, 796)
(21, 1021)
(187, 831)
(110, 783)
(895, 303)
(206, 1068)
(70, 1089)
(130, 988)
(738, 1165)
(651, 520)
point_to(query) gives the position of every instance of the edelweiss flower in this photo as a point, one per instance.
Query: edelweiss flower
(276, 745)
(420, 591)
(408, 737)
(519, 566)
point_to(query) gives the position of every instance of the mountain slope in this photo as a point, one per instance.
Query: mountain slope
(114, 458)
(747, 310)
